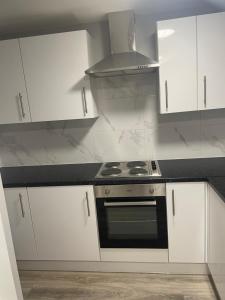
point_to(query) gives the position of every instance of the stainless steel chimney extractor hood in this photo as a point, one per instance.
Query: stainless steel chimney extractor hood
(124, 58)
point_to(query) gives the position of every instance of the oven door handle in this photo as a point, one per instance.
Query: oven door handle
(138, 203)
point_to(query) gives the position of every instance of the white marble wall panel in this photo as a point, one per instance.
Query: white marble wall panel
(129, 128)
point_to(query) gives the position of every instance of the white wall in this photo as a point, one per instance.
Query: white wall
(129, 126)
(10, 288)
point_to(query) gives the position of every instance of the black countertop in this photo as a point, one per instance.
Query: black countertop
(180, 170)
(49, 175)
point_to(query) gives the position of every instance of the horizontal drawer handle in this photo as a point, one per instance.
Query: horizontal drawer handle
(141, 203)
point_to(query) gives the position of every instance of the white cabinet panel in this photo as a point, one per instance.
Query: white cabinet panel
(65, 223)
(21, 223)
(14, 106)
(186, 213)
(178, 65)
(216, 240)
(211, 61)
(54, 68)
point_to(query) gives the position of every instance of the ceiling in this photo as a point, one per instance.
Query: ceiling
(25, 16)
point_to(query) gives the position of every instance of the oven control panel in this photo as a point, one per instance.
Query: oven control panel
(131, 190)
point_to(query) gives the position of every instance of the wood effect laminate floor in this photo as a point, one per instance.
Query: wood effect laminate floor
(113, 286)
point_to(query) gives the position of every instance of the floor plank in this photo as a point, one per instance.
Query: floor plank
(113, 286)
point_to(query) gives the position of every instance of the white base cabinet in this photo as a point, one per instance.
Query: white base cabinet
(21, 223)
(186, 213)
(65, 225)
(216, 240)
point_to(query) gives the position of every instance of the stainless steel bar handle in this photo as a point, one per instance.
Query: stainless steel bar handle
(140, 203)
(205, 91)
(88, 207)
(84, 101)
(173, 203)
(21, 105)
(166, 91)
(21, 205)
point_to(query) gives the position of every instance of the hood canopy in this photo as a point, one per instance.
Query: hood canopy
(124, 58)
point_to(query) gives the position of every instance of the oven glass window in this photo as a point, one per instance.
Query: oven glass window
(134, 222)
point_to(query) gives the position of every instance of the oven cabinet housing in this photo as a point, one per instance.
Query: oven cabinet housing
(21, 223)
(132, 223)
(13, 99)
(216, 240)
(192, 63)
(186, 216)
(64, 220)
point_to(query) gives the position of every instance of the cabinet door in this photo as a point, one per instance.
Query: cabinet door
(186, 222)
(21, 223)
(14, 106)
(211, 61)
(65, 223)
(178, 65)
(216, 240)
(54, 68)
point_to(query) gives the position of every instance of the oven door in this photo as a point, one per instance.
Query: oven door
(132, 222)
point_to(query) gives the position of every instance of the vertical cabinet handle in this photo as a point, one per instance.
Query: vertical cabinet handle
(84, 101)
(21, 105)
(173, 203)
(88, 207)
(21, 205)
(205, 91)
(166, 94)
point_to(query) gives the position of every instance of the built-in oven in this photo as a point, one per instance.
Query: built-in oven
(132, 216)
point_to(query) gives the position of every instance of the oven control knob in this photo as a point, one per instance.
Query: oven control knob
(107, 191)
(151, 190)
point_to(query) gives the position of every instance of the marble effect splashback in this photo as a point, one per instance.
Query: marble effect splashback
(129, 128)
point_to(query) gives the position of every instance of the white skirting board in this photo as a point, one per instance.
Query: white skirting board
(135, 255)
(166, 268)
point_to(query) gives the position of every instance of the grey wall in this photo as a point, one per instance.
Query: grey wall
(129, 127)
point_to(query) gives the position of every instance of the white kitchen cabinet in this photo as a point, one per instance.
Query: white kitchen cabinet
(211, 60)
(216, 240)
(65, 223)
(178, 65)
(21, 223)
(186, 213)
(14, 106)
(54, 68)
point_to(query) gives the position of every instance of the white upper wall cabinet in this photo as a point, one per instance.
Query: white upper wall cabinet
(14, 106)
(54, 68)
(178, 64)
(186, 213)
(211, 61)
